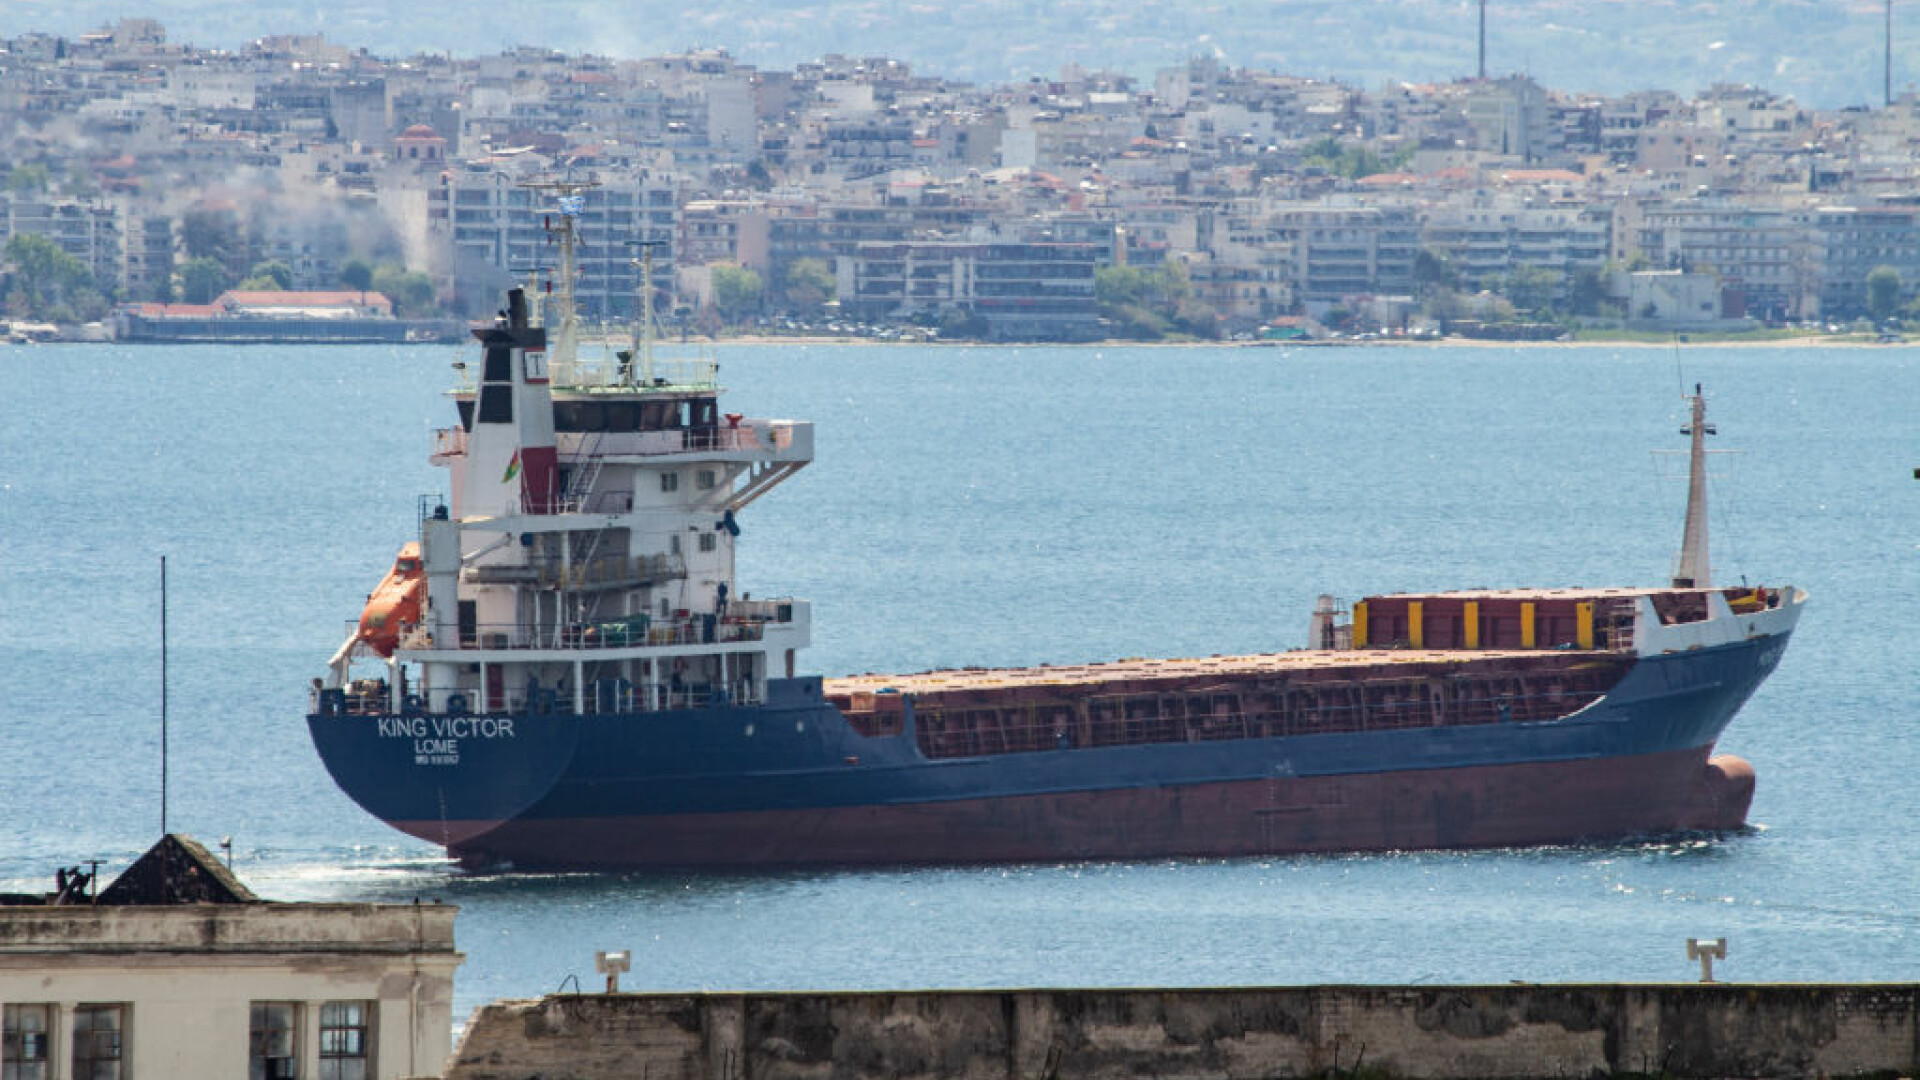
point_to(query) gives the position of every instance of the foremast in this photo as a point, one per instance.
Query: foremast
(1693, 568)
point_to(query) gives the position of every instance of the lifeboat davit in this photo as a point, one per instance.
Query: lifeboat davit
(395, 604)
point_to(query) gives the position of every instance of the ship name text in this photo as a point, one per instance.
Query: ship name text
(436, 739)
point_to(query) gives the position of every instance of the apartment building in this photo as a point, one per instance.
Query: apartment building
(1341, 251)
(498, 229)
(1770, 254)
(1018, 287)
(89, 230)
(833, 231)
(1486, 239)
(1850, 243)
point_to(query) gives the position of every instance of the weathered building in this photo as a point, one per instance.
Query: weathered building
(177, 970)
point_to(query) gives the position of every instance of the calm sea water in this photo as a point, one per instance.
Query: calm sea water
(1000, 506)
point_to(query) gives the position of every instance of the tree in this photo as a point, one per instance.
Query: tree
(1150, 303)
(1883, 292)
(271, 275)
(202, 279)
(1531, 288)
(1132, 300)
(809, 282)
(28, 178)
(1352, 162)
(356, 275)
(1432, 270)
(736, 290)
(212, 233)
(1324, 152)
(1444, 305)
(48, 283)
(412, 292)
(162, 290)
(1588, 294)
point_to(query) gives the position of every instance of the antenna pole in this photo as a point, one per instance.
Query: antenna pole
(163, 695)
(643, 327)
(1483, 40)
(646, 314)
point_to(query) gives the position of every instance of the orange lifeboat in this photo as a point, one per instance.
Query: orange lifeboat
(395, 604)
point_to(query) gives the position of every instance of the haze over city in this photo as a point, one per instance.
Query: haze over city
(1823, 54)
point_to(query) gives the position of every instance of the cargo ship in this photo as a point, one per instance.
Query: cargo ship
(558, 672)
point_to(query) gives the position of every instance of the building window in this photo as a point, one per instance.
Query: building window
(343, 1041)
(99, 1042)
(673, 543)
(707, 542)
(23, 1049)
(669, 481)
(271, 1040)
(706, 478)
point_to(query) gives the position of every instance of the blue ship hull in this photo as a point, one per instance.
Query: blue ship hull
(793, 782)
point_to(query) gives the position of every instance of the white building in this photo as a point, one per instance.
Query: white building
(176, 970)
(1671, 298)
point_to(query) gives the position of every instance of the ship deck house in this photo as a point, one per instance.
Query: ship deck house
(177, 970)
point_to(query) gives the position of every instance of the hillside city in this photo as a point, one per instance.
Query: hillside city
(149, 180)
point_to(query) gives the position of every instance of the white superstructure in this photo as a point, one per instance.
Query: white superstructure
(585, 562)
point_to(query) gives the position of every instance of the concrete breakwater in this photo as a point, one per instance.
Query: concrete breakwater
(1692, 1030)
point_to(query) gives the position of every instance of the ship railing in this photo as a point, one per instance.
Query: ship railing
(372, 697)
(602, 572)
(777, 609)
(972, 732)
(610, 372)
(738, 435)
(602, 502)
(449, 442)
(598, 502)
(613, 570)
(743, 620)
(619, 696)
(745, 436)
(623, 633)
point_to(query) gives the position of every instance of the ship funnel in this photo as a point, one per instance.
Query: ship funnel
(517, 309)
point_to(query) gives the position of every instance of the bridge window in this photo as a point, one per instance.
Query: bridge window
(496, 404)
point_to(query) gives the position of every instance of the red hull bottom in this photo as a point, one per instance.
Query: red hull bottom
(1488, 806)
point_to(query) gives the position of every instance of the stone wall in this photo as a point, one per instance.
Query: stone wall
(1468, 1031)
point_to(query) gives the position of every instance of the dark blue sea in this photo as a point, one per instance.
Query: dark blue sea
(1000, 506)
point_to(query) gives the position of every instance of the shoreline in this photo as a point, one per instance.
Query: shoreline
(1837, 341)
(767, 340)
